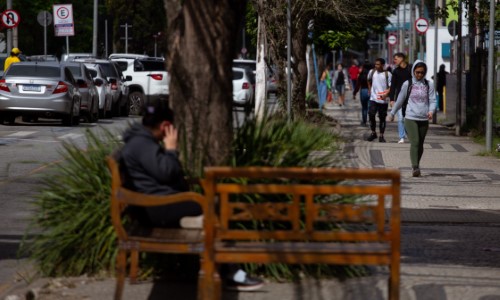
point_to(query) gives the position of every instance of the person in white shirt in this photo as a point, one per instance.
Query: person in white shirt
(379, 83)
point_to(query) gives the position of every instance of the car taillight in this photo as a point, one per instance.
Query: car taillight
(157, 76)
(114, 86)
(245, 86)
(61, 88)
(4, 86)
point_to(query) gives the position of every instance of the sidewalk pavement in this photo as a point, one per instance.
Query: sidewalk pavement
(450, 232)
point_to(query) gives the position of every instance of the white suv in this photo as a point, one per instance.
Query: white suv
(147, 78)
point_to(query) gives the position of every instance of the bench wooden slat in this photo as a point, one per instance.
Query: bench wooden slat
(166, 235)
(303, 189)
(283, 235)
(302, 247)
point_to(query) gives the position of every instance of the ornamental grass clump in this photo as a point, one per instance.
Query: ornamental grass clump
(72, 214)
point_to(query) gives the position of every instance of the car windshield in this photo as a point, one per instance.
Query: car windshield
(108, 69)
(151, 65)
(76, 70)
(93, 73)
(33, 70)
(237, 75)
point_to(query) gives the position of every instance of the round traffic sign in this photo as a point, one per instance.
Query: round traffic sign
(421, 25)
(392, 39)
(44, 18)
(10, 18)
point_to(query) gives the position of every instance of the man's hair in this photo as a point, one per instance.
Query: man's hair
(155, 112)
(400, 54)
(380, 60)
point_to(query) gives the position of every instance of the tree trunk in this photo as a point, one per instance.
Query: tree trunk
(201, 46)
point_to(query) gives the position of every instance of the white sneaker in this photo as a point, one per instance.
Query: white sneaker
(195, 222)
(401, 141)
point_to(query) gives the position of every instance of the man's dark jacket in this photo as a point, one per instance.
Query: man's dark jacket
(399, 76)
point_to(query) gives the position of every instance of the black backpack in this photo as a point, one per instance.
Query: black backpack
(408, 91)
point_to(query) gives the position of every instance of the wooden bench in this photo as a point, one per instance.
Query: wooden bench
(311, 201)
(135, 239)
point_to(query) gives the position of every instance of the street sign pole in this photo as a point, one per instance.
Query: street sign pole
(9, 31)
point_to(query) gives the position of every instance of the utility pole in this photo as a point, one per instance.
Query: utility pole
(94, 31)
(126, 26)
(9, 31)
(458, 122)
(489, 96)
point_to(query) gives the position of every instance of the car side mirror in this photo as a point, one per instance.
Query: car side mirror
(128, 78)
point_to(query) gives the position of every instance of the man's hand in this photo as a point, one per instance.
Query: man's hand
(170, 138)
(390, 117)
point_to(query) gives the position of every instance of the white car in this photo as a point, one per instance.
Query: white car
(243, 91)
(103, 89)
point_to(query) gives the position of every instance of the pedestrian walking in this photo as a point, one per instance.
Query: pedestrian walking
(13, 58)
(340, 80)
(379, 82)
(440, 85)
(400, 74)
(325, 85)
(417, 99)
(364, 95)
(354, 71)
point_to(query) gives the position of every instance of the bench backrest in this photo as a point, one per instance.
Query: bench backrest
(302, 203)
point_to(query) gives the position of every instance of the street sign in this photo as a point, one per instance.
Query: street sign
(44, 18)
(10, 18)
(421, 25)
(392, 39)
(63, 20)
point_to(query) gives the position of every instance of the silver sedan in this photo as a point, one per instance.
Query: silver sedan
(39, 90)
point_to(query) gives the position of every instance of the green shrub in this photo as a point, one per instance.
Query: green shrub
(72, 213)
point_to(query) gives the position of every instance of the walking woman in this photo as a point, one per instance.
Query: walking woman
(421, 101)
(340, 79)
(325, 84)
(364, 95)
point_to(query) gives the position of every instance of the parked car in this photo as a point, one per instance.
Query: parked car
(113, 76)
(271, 87)
(147, 79)
(103, 90)
(39, 89)
(242, 87)
(89, 107)
(73, 56)
(41, 58)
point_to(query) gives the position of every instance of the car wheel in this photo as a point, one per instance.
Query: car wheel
(125, 111)
(136, 100)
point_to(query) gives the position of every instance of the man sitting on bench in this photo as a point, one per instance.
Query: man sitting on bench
(151, 166)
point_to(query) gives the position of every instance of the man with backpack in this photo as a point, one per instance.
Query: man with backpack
(400, 74)
(379, 82)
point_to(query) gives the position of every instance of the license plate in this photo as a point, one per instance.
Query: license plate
(31, 88)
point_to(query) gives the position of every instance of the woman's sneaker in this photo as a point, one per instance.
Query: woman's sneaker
(372, 137)
(416, 172)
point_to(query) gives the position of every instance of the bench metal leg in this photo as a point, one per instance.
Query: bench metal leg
(121, 261)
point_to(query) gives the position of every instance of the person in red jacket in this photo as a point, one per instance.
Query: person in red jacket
(354, 71)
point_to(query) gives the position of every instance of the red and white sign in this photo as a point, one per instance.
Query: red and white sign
(392, 39)
(63, 20)
(10, 18)
(421, 25)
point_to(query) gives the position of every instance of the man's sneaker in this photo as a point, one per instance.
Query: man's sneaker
(381, 139)
(195, 222)
(372, 137)
(416, 172)
(401, 141)
(249, 284)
